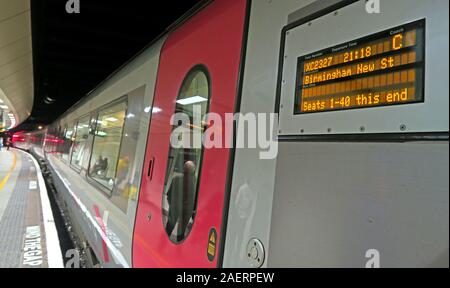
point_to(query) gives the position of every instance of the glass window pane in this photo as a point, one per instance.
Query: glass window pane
(129, 167)
(183, 168)
(60, 142)
(67, 142)
(107, 141)
(82, 134)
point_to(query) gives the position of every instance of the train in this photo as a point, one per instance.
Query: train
(360, 99)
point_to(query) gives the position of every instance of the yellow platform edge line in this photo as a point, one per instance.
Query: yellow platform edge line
(6, 178)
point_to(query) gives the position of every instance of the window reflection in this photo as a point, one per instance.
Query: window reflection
(106, 148)
(82, 134)
(67, 143)
(183, 168)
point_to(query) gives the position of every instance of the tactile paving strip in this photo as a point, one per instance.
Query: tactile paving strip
(13, 225)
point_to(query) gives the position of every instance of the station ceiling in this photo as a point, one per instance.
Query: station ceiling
(16, 63)
(73, 53)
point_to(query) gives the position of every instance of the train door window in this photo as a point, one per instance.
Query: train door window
(49, 141)
(60, 141)
(128, 174)
(67, 143)
(52, 141)
(184, 164)
(82, 134)
(106, 147)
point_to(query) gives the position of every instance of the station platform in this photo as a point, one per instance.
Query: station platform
(28, 236)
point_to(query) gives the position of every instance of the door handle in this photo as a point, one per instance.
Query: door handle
(150, 168)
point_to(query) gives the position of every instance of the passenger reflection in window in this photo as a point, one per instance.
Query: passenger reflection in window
(100, 167)
(181, 199)
(183, 167)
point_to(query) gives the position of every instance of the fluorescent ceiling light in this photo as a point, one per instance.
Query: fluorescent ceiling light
(4, 107)
(154, 110)
(191, 100)
(111, 119)
(2, 95)
(102, 134)
(13, 123)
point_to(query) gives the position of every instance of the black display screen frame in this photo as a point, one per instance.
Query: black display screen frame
(420, 48)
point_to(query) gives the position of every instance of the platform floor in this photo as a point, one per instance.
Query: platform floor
(28, 236)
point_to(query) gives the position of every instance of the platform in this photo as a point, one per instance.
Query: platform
(28, 236)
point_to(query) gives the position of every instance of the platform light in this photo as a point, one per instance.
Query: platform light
(101, 134)
(154, 110)
(192, 100)
(111, 119)
(13, 123)
(2, 95)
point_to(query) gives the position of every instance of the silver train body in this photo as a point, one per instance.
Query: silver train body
(326, 200)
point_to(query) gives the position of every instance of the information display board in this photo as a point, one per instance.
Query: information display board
(386, 68)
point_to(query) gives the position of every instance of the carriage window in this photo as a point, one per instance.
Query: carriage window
(81, 137)
(183, 168)
(60, 141)
(67, 142)
(107, 141)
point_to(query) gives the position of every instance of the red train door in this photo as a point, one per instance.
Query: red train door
(181, 203)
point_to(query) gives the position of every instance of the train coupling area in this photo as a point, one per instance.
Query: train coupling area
(28, 235)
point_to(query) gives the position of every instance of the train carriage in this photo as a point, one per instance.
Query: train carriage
(362, 161)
